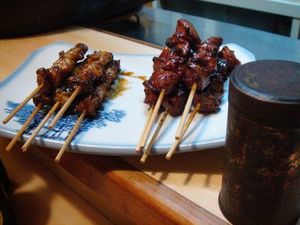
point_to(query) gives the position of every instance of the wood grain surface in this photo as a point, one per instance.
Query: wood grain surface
(38, 197)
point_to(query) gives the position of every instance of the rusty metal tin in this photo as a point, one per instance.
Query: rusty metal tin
(261, 179)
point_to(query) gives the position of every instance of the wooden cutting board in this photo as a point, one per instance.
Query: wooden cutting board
(181, 191)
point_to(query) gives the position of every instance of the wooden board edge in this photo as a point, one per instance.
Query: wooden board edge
(130, 193)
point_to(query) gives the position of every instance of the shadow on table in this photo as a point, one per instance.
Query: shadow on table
(203, 163)
(34, 191)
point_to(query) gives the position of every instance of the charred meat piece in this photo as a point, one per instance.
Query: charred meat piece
(54, 76)
(103, 57)
(227, 61)
(210, 46)
(206, 54)
(210, 98)
(174, 104)
(67, 60)
(89, 72)
(203, 64)
(185, 38)
(151, 96)
(187, 30)
(92, 102)
(62, 94)
(209, 104)
(196, 74)
(44, 78)
(166, 80)
(42, 99)
(168, 60)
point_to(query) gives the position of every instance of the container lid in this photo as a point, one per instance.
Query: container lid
(267, 90)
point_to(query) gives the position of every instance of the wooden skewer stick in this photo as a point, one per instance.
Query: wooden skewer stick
(23, 128)
(22, 104)
(186, 111)
(154, 137)
(185, 128)
(64, 108)
(151, 120)
(150, 111)
(40, 126)
(70, 137)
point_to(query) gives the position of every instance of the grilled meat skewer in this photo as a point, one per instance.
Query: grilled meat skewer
(85, 76)
(53, 77)
(91, 103)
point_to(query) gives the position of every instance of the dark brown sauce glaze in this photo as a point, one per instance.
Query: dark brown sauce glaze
(121, 84)
(131, 74)
(118, 89)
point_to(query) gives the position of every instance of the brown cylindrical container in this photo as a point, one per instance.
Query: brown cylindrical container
(261, 179)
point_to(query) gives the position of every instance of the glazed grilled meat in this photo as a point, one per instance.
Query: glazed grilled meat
(202, 64)
(175, 102)
(227, 61)
(151, 96)
(86, 75)
(187, 61)
(54, 76)
(89, 72)
(166, 80)
(42, 99)
(94, 100)
(185, 38)
(196, 74)
(210, 98)
(92, 76)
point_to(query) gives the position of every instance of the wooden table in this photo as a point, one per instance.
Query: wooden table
(88, 189)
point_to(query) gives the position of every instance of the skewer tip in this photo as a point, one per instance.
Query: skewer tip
(24, 148)
(70, 137)
(139, 149)
(169, 156)
(143, 160)
(8, 148)
(57, 159)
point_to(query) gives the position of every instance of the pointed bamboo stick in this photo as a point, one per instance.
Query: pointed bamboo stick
(150, 111)
(64, 108)
(23, 128)
(40, 126)
(154, 137)
(70, 137)
(22, 104)
(151, 120)
(186, 111)
(185, 128)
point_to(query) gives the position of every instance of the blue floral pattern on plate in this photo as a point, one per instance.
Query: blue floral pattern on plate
(66, 123)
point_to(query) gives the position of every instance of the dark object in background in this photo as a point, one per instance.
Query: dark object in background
(233, 15)
(261, 180)
(5, 210)
(20, 17)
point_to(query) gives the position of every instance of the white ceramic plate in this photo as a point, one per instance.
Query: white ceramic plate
(117, 128)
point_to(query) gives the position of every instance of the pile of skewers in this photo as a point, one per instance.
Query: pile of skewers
(73, 84)
(187, 72)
